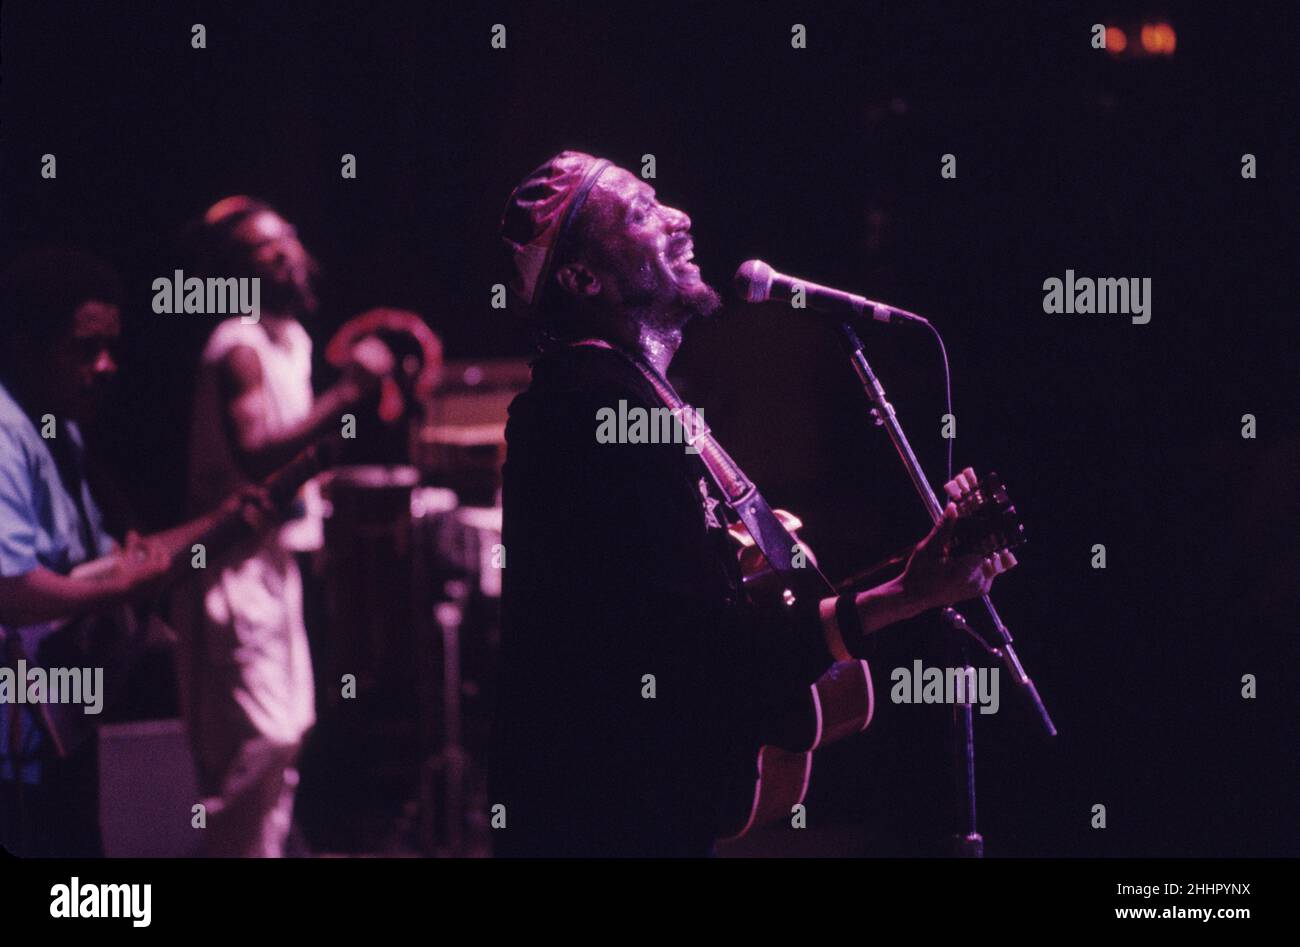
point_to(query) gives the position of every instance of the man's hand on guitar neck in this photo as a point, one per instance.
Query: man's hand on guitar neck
(250, 506)
(931, 578)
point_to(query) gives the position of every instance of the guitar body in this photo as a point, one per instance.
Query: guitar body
(839, 704)
(108, 643)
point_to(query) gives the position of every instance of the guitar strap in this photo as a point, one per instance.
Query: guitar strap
(72, 471)
(773, 540)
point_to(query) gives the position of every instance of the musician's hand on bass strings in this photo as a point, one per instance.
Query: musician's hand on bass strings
(143, 566)
(933, 578)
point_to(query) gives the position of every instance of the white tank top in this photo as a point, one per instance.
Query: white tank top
(286, 379)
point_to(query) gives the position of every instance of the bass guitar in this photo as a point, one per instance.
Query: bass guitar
(112, 640)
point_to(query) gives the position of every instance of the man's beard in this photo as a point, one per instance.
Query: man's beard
(703, 300)
(673, 305)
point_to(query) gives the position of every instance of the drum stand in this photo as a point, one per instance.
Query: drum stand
(444, 773)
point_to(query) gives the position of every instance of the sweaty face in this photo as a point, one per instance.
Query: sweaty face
(81, 363)
(644, 248)
(273, 253)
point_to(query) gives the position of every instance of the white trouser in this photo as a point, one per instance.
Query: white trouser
(246, 672)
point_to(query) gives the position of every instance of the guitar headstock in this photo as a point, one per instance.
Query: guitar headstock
(986, 519)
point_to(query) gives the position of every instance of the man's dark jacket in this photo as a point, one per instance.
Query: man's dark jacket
(617, 586)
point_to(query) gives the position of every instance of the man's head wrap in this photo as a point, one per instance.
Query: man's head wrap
(539, 217)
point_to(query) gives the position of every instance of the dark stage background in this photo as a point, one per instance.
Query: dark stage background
(824, 161)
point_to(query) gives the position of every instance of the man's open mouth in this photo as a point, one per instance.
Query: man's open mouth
(683, 255)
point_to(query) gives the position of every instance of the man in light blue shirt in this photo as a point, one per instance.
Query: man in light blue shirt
(40, 519)
(59, 325)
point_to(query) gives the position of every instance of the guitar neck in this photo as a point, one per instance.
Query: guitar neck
(986, 522)
(219, 529)
(224, 529)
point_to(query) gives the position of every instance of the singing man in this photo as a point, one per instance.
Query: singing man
(634, 671)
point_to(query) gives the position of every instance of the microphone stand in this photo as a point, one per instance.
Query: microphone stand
(967, 841)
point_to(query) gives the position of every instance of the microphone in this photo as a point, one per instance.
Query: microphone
(756, 282)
